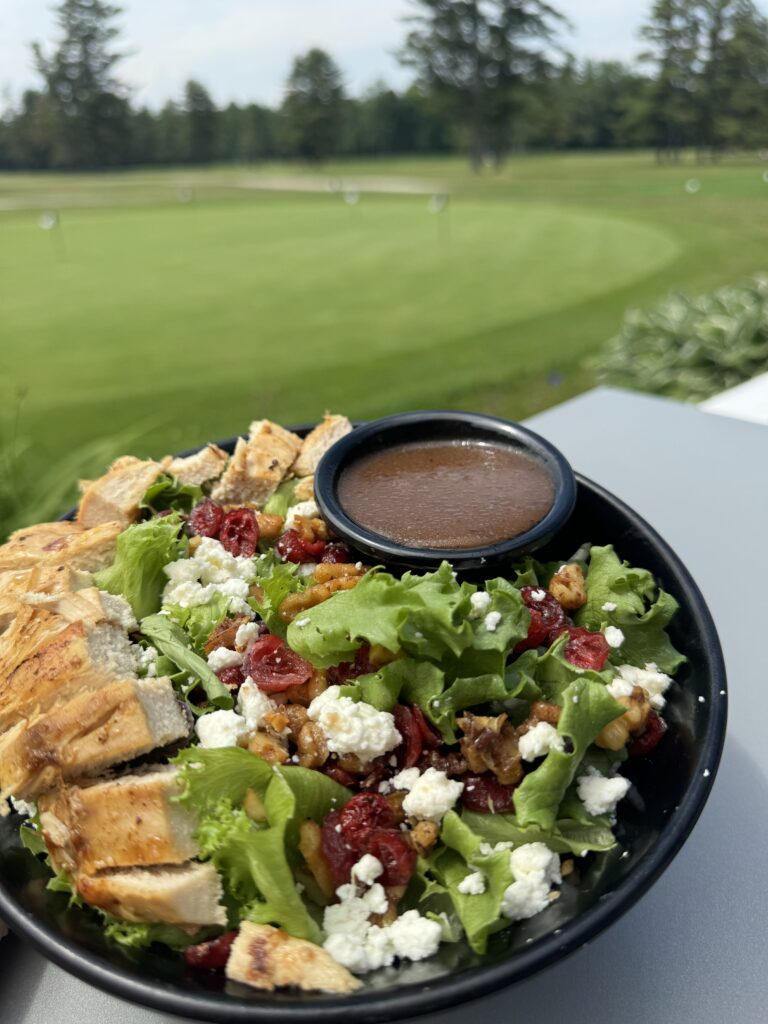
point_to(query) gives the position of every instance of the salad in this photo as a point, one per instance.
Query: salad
(229, 736)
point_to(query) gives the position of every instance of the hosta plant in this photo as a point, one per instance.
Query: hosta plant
(691, 346)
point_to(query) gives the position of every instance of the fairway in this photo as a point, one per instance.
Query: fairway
(179, 305)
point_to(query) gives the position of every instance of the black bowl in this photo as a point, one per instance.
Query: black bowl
(441, 426)
(669, 792)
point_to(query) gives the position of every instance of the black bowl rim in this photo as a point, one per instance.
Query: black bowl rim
(417, 999)
(374, 544)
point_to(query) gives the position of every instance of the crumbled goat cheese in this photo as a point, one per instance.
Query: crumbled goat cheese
(361, 946)
(480, 603)
(491, 621)
(539, 740)
(305, 509)
(613, 636)
(367, 869)
(253, 704)
(352, 727)
(430, 795)
(306, 569)
(473, 884)
(301, 623)
(600, 794)
(211, 570)
(649, 679)
(609, 606)
(222, 657)
(29, 810)
(535, 868)
(220, 729)
(245, 633)
(538, 595)
(619, 687)
(146, 660)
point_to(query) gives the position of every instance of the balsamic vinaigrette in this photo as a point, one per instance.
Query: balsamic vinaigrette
(446, 494)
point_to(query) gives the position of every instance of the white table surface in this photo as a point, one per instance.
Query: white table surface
(694, 948)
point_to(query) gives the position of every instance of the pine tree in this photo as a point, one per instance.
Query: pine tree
(480, 56)
(88, 102)
(313, 105)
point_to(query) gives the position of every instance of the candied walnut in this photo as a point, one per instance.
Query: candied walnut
(224, 634)
(424, 836)
(295, 603)
(277, 722)
(616, 734)
(568, 588)
(270, 526)
(452, 763)
(395, 801)
(253, 806)
(269, 748)
(394, 894)
(352, 764)
(304, 693)
(296, 716)
(312, 746)
(310, 530)
(310, 839)
(326, 571)
(540, 711)
(490, 744)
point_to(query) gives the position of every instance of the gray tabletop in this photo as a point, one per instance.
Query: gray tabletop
(694, 949)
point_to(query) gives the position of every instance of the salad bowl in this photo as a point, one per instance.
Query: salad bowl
(668, 793)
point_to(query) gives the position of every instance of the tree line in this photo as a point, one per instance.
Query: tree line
(490, 77)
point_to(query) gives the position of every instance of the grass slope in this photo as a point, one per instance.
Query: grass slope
(177, 305)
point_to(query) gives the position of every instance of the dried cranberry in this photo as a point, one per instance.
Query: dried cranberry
(340, 674)
(429, 737)
(338, 853)
(232, 677)
(293, 548)
(397, 856)
(273, 666)
(586, 649)
(364, 814)
(206, 518)
(336, 553)
(655, 727)
(412, 744)
(547, 618)
(340, 775)
(210, 956)
(486, 795)
(240, 532)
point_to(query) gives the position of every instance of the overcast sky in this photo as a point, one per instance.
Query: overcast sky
(242, 49)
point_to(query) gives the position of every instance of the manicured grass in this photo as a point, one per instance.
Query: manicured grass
(179, 305)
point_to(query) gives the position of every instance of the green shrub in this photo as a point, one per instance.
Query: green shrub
(691, 346)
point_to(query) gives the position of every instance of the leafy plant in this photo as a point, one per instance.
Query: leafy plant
(691, 346)
(32, 491)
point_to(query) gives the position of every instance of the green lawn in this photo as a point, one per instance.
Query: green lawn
(175, 306)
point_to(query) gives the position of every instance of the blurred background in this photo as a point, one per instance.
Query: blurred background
(215, 212)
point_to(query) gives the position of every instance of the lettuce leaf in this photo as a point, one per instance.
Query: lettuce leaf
(256, 861)
(427, 617)
(201, 620)
(587, 708)
(172, 641)
(642, 612)
(166, 493)
(460, 855)
(282, 499)
(277, 580)
(139, 936)
(142, 550)
(567, 836)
